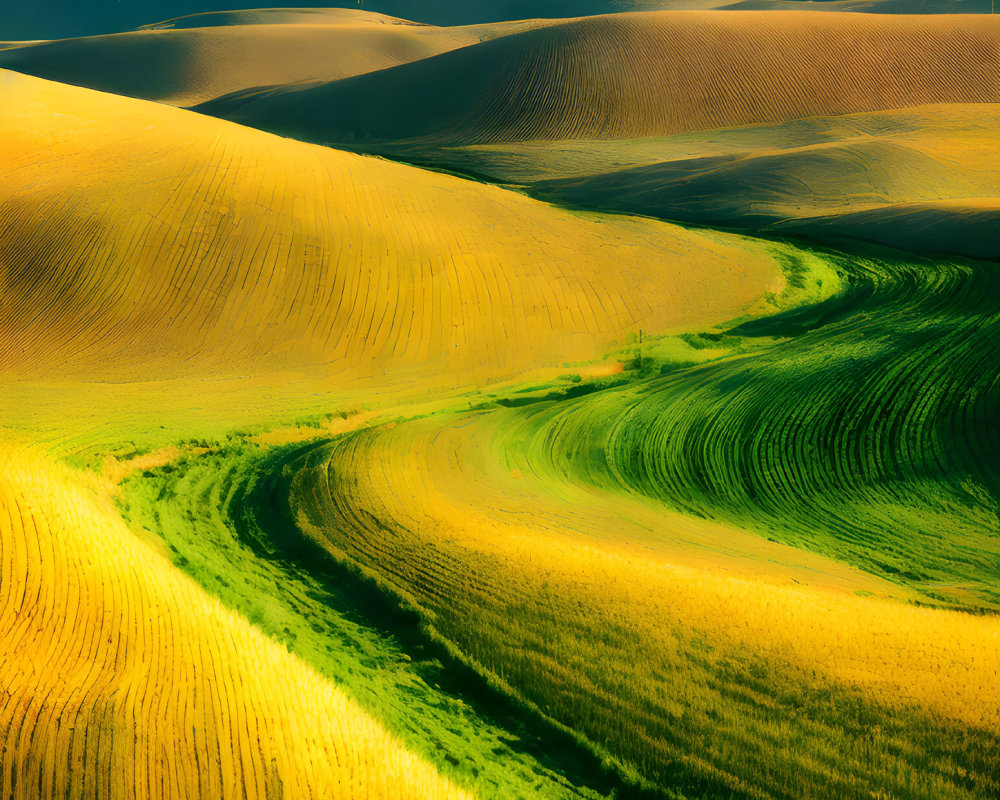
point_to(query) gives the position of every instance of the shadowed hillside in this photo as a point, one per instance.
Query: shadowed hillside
(968, 227)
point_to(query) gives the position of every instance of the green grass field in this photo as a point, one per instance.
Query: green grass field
(758, 425)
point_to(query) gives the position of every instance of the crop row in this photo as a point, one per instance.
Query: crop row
(871, 438)
(123, 679)
(643, 75)
(606, 558)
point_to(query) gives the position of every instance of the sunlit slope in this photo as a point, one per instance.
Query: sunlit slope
(644, 75)
(205, 508)
(587, 606)
(123, 679)
(142, 241)
(187, 66)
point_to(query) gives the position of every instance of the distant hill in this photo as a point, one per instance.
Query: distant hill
(56, 19)
(643, 75)
(277, 16)
(198, 58)
(184, 65)
(925, 178)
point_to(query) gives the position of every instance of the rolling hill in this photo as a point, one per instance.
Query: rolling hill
(240, 251)
(179, 268)
(119, 669)
(324, 475)
(199, 58)
(916, 179)
(277, 16)
(187, 65)
(642, 75)
(58, 19)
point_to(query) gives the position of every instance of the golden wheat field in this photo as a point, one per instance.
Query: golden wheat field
(514, 401)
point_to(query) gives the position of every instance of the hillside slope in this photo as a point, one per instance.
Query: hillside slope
(859, 429)
(143, 241)
(643, 75)
(827, 175)
(117, 670)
